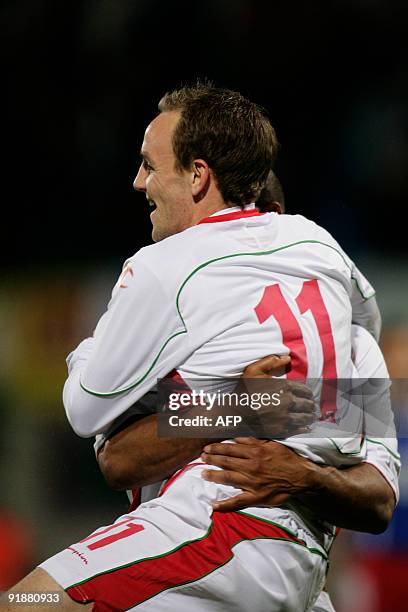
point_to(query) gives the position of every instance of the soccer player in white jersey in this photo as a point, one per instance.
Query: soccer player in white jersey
(192, 301)
(358, 498)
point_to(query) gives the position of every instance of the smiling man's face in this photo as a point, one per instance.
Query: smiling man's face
(167, 189)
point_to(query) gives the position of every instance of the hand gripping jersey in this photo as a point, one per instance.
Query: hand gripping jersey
(174, 553)
(381, 451)
(208, 301)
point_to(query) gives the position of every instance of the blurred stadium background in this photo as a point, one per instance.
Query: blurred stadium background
(81, 81)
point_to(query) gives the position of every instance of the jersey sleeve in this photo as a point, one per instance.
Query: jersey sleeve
(145, 406)
(382, 445)
(336, 451)
(140, 338)
(365, 311)
(383, 455)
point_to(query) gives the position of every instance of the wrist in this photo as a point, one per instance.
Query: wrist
(315, 477)
(299, 475)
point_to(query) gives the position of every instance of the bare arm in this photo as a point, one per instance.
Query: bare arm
(136, 456)
(270, 474)
(365, 498)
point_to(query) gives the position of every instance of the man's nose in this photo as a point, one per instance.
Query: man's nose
(139, 184)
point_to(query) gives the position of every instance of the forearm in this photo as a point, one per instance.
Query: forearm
(271, 474)
(137, 456)
(357, 498)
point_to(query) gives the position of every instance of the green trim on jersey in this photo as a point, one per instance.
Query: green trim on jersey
(315, 551)
(183, 284)
(188, 582)
(312, 550)
(365, 297)
(345, 453)
(396, 456)
(112, 393)
(182, 584)
(168, 552)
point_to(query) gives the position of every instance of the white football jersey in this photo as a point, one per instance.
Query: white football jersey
(380, 451)
(212, 299)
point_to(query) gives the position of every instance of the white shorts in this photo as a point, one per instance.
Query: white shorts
(174, 553)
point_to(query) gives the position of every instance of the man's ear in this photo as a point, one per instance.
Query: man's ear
(277, 207)
(200, 178)
(271, 207)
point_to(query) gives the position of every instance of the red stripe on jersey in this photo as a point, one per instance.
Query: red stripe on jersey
(177, 377)
(136, 498)
(238, 214)
(177, 381)
(130, 585)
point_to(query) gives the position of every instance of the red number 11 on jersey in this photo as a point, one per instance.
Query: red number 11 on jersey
(273, 303)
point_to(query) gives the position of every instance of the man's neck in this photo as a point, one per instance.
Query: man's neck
(210, 211)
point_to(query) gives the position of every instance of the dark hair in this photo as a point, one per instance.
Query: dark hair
(271, 193)
(233, 135)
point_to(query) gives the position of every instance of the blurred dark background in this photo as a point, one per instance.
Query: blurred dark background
(81, 80)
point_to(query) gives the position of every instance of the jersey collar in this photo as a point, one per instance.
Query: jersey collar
(235, 212)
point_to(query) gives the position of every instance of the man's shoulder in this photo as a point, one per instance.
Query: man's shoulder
(304, 228)
(297, 229)
(174, 257)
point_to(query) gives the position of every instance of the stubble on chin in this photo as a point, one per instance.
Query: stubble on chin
(159, 234)
(156, 235)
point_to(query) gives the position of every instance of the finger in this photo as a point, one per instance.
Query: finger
(226, 463)
(302, 405)
(300, 420)
(242, 451)
(297, 432)
(294, 425)
(299, 389)
(266, 366)
(274, 362)
(250, 441)
(226, 477)
(238, 502)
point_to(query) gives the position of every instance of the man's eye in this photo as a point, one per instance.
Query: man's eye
(147, 166)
